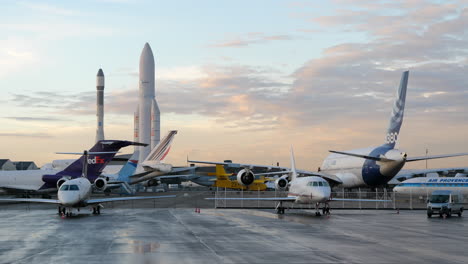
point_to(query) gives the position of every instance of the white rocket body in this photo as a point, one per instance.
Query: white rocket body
(155, 124)
(100, 105)
(148, 112)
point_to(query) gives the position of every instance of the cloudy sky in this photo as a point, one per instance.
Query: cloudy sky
(240, 80)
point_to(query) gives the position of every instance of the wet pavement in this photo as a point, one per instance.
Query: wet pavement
(179, 235)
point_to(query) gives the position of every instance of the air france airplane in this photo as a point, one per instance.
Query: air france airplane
(424, 186)
(372, 167)
(75, 194)
(304, 190)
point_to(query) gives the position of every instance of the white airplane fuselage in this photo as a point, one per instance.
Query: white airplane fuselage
(28, 180)
(424, 186)
(359, 172)
(74, 193)
(305, 192)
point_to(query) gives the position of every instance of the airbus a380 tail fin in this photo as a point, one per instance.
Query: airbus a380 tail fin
(397, 113)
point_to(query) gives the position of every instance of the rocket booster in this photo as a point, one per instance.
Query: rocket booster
(155, 124)
(100, 105)
(148, 112)
(136, 136)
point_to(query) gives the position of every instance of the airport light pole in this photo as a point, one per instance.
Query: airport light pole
(427, 152)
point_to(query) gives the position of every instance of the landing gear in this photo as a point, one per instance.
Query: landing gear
(97, 210)
(280, 208)
(62, 211)
(317, 210)
(326, 209)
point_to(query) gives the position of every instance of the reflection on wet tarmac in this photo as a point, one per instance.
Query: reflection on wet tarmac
(142, 247)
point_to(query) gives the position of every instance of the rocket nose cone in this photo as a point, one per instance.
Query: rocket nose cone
(147, 53)
(147, 65)
(100, 73)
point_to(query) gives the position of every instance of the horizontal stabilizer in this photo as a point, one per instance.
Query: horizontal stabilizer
(436, 156)
(362, 156)
(89, 153)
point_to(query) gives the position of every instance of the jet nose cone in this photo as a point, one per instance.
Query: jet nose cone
(68, 199)
(321, 196)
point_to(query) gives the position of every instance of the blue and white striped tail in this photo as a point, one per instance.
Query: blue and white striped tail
(397, 112)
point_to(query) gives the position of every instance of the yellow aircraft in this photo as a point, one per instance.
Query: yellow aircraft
(223, 181)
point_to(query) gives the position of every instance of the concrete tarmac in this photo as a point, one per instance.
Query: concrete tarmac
(179, 235)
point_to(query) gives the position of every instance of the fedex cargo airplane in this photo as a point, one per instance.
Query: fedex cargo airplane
(372, 167)
(49, 179)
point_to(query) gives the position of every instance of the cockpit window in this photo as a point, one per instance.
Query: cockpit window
(315, 184)
(74, 187)
(320, 184)
(325, 184)
(64, 187)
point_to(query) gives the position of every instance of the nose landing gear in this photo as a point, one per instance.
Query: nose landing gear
(326, 209)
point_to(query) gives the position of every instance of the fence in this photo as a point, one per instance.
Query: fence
(188, 198)
(396, 201)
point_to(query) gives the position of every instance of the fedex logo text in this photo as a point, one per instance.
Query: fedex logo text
(96, 160)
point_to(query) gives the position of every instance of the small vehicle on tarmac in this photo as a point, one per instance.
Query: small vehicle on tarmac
(445, 203)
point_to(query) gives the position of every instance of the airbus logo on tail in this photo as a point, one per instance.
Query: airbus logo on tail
(392, 137)
(96, 160)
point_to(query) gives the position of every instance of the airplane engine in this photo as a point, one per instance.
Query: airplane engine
(281, 184)
(151, 182)
(100, 184)
(60, 182)
(245, 177)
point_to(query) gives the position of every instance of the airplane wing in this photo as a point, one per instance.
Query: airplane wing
(30, 200)
(240, 165)
(435, 157)
(329, 177)
(279, 199)
(358, 200)
(174, 170)
(361, 156)
(186, 176)
(106, 200)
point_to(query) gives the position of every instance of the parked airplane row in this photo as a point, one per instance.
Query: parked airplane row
(370, 167)
(365, 167)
